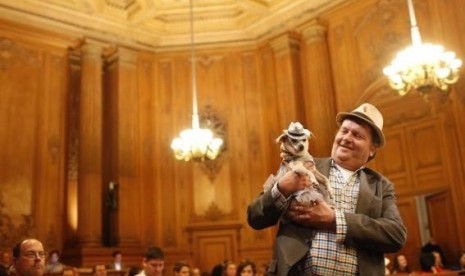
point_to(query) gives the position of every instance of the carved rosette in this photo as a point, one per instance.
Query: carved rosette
(211, 120)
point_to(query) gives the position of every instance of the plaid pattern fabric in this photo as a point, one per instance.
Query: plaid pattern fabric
(328, 255)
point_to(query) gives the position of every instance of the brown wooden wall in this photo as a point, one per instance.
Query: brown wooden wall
(77, 114)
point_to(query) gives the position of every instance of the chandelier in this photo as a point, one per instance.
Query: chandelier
(195, 143)
(422, 66)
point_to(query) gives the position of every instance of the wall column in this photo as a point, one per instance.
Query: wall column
(286, 50)
(90, 148)
(122, 124)
(319, 101)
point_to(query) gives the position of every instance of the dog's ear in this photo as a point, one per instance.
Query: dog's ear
(281, 137)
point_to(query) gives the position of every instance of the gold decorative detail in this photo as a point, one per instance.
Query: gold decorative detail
(120, 4)
(9, 233)
(213, 212)
(209, 119)
(51, 241)
(169, 237)
(11, 51)
(73, 159)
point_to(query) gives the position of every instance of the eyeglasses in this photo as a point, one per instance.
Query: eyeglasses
(35, 254)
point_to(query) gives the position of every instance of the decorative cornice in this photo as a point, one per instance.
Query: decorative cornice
(314, 33)
(157, 25)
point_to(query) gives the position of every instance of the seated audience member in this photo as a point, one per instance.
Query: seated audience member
(262, 270)
(427, 261)
(461, 262)
(439, 267)
(229, 268)
(432, 246)
(100, 270)
(246, 268)
(153, 262)
(53, 264)
(117, 263)
(29, 258)
(217, 270)
(70, 271)
(5, 263)
(195, 271)
(181, 269)
(400, 265)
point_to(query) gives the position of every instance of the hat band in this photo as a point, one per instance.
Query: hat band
(295, 134)
(364, 116)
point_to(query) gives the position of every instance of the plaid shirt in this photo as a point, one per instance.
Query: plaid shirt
(328, 255)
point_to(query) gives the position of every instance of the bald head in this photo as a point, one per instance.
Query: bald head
(29, 258)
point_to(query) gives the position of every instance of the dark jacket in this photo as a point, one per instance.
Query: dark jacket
(374, 229)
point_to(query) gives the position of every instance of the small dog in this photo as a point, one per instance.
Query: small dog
(295, 157)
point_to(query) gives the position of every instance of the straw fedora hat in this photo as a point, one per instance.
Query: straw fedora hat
(369, 114)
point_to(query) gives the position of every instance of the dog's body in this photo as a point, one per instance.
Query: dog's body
(295, 157)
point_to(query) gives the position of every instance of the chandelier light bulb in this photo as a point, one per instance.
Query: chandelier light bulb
(196, 144)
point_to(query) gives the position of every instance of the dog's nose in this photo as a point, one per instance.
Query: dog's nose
(300, 147)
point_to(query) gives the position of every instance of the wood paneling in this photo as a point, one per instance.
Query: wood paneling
(442, 224)
(215, 243)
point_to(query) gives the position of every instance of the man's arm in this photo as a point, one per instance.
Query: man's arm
(263, 212)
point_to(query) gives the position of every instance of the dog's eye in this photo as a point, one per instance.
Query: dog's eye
(294, 140)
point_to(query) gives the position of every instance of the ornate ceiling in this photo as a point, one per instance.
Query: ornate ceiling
(156, 24)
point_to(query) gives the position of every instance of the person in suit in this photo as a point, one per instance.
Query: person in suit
(53, 264)
(117, 263)
(349, 236)
(29, 258)
(5, 263)
(153, 263)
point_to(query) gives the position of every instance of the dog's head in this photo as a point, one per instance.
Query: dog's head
(294, 141)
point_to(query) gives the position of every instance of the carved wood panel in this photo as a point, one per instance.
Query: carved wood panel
(212, 244)
(442, 223)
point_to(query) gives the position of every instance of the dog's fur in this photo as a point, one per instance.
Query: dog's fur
(295, 157)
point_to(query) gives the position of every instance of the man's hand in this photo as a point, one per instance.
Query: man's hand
(292, 182)
(318, 214)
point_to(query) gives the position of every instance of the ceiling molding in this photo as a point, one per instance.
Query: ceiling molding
(158, 24)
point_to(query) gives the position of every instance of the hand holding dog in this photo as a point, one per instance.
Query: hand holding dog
(292, 182)
(318, 215)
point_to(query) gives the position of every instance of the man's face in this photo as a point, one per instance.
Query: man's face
(153, 267)
(230, 270)
(31, 260)
(118, 258)
(183, 272)
(6, 258)
(352, 145)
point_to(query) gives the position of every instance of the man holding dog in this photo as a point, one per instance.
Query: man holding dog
(350, 236)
